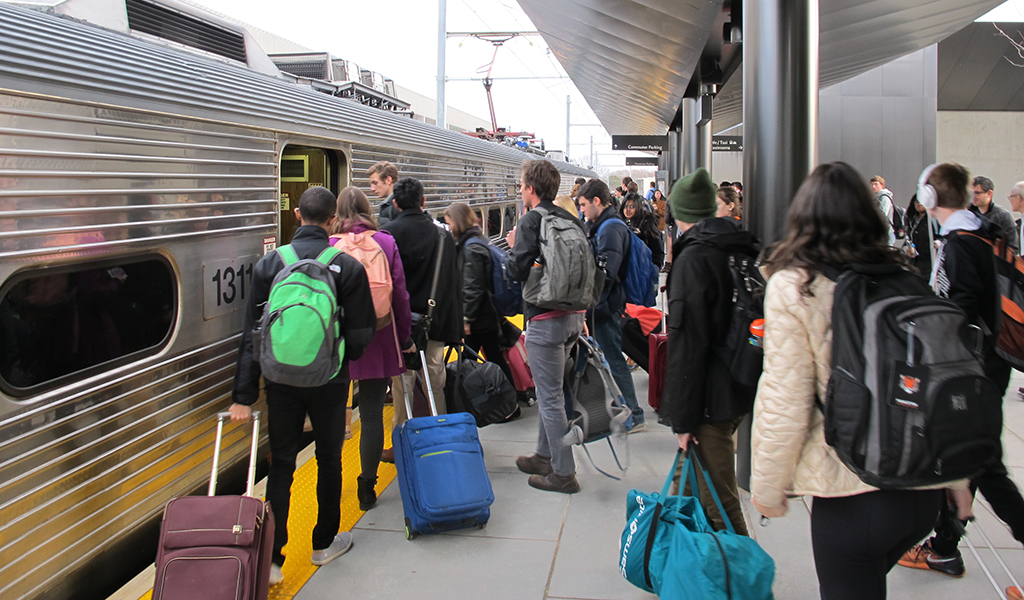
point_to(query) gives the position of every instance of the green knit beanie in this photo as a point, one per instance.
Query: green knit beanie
(693, 197)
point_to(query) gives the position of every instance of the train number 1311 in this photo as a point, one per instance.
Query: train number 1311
(226, 284)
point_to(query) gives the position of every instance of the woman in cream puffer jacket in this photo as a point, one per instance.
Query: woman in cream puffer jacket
(857, 532)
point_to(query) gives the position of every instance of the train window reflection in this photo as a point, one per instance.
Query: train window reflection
(59, 322)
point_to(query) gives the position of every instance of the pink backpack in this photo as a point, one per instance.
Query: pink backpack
(362, 247)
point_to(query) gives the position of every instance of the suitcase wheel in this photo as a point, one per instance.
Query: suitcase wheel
(481, 525)
(409, 533)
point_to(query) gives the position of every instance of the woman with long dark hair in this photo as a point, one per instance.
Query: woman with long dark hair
(382, 359)
(919, 241)
(483, 327)
(857, 532)
(644, 225)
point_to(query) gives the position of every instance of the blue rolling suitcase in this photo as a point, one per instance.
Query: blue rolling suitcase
(441, 472)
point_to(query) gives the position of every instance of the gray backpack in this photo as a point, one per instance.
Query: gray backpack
(567, 276)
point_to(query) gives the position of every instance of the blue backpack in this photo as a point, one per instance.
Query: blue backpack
(507, 293)
(642, 274)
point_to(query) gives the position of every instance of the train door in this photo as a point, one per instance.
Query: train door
(303, 167)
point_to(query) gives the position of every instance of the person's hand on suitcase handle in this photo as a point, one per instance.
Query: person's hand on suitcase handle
(771, 512)
(240, 412)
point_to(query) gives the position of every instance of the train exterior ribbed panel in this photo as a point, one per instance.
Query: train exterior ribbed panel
(83, 463)
(48, 55)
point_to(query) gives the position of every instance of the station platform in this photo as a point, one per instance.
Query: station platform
(541, 545)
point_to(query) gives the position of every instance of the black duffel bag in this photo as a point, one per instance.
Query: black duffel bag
(479, 388)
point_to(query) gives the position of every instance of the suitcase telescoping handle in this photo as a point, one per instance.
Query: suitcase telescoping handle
(251, 480)
(426, 380)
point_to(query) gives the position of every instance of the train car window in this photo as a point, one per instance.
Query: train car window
(303, 167)
(56, 324)
(494, 221)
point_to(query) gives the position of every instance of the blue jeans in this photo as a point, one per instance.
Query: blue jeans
(608, 333)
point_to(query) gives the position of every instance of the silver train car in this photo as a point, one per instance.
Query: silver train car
(139, 184)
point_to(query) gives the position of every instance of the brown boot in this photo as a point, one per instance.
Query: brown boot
(555, 483)
(388, 456)
(534, 464)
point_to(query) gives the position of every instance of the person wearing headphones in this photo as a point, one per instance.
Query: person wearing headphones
(964, 272)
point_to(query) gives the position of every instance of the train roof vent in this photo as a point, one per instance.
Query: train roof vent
(311, 65)
(161, 21)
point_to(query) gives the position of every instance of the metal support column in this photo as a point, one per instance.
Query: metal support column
(780, 123)
(688, 137)
(442, 38)
(780, 108)
(672, 160)
(568, 106)
(703, 135)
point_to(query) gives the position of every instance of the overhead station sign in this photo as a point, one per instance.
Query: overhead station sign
(634, 161)
(646, 143)
(727, 143)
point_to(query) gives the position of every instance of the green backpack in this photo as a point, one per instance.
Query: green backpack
(299, 341)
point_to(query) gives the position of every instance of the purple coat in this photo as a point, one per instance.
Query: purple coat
(383, 357)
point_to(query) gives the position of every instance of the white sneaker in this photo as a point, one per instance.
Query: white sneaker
(342, 543)
(276, 576)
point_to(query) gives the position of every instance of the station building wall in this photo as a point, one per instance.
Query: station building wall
(989, 143)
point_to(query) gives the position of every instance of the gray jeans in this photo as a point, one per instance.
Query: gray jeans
(548, 343)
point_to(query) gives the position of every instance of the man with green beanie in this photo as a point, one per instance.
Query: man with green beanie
(702, 401)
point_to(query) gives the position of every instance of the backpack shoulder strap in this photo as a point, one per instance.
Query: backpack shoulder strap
(327, 255)
(287, 254)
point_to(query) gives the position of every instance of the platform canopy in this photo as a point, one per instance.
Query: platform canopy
(633, 60)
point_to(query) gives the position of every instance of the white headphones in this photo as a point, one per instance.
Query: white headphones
(926, 194)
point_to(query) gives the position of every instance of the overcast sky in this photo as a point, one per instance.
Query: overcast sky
(399, 40)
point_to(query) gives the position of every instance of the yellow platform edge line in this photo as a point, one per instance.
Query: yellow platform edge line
(302, 511)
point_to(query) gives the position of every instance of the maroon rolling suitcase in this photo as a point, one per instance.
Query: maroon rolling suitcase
(658, 353)
(216, 547)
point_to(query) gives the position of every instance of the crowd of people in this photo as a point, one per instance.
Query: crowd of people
(409, 287)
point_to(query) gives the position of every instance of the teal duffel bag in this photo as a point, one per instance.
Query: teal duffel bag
(669, 547)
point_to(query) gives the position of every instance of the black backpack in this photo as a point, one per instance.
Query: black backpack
(908, 403)
(479, 388)
(742, 349)
(899, 217)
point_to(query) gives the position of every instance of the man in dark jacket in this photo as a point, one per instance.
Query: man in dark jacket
(983, 205)
(383, 176)
(288, 405)
(610, 237)
(964, 272)
(550, 336)
(419, 240)
(702, 400)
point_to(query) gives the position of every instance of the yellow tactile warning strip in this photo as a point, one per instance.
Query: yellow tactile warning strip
(302, 513)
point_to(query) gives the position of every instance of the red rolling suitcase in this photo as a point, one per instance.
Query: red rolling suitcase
(519, 364)
(216, 547)
(658, 352)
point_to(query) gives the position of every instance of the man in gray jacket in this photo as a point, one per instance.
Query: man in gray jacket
(983, 206)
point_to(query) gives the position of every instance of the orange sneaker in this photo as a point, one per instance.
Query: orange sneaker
(923, 557)
(1013, 593)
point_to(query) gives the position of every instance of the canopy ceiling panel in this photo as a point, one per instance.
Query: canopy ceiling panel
(633, 59)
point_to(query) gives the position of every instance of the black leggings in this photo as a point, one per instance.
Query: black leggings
(858, 539)
(371, 413)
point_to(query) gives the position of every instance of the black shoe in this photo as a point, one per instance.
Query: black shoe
(366, 493)
(534, 464)
(555, 483)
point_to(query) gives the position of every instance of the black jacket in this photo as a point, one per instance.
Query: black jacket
(698, 386)
(916, 228)
(417, 238)
(358, 319)
(477, 283)
(645, 225)
(527, 248)
(970, 267)
(388, 211)
(1002, 219)
(613, 245)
